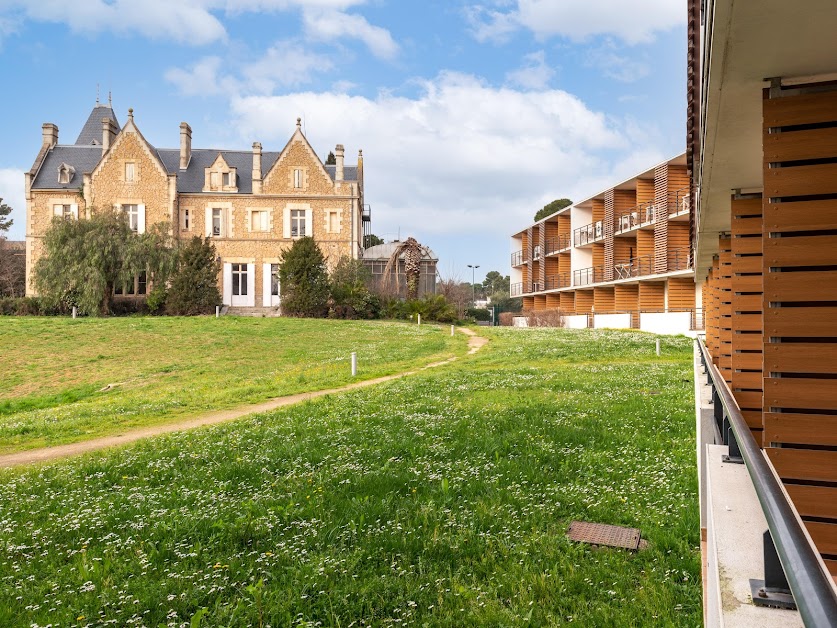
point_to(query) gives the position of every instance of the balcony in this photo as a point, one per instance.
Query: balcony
(634, 267)
(516, 289)
(556, 244)
(586, 276)
(680, 259)
(679, 204)
(366, 214)
(518, 258)
(561, 280)
(643, 215)
(588, 234)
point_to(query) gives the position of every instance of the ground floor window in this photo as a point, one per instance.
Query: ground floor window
(239, 280)
(274, 280)
(138, 286)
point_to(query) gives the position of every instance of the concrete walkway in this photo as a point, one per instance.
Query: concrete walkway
(475, 343)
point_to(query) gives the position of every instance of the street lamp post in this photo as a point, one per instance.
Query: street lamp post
(473, 282)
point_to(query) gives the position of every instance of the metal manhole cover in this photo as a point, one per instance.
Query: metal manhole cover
(604, 534)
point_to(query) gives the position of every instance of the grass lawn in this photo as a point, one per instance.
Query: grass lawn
(163, 369)
(436, 500)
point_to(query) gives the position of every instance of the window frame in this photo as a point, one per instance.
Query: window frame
(297, 217)
(131, 212)
(220, 214)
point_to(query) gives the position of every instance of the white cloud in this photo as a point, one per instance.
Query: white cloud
(284, 64)
(622, 68)
(463, 156)
(534, 74)
(195, 22)
(332, 26)
(632, 22)
(12, 193)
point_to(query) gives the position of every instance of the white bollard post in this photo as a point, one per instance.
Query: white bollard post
(658, 346)
(75, 311)
(451, 330)
(354, 364)
(419, 319)
(217, 311)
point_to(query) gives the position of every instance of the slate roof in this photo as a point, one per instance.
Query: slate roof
(84, 156)
(91, 132)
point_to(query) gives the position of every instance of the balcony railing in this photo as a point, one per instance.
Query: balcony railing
(679, 202)
(642, 215)
(518, 258)
(560, 280)
(589, 233)
(811, 586)
(634, 267)
(556, 244)
(516, 289)
(585, 276)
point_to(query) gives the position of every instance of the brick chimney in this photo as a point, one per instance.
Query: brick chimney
(108, 133)
(339, 152)
(257, 168)
(185, 145)
(50, 132)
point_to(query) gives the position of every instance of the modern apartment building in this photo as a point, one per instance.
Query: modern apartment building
(252, 204)
(621, 258)
(763, 159)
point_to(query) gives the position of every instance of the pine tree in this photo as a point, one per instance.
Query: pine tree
(304, 280)
(5, 222)
(194, 286)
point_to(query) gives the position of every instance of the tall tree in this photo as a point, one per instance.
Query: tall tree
(331, 160)
(194, 284)
(5, 221)
(304, 279)
(412, 252)
(551, 208)
(371, 240)
(12, 269)
(85, 259)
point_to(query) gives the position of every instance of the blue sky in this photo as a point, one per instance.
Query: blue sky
(472, 114)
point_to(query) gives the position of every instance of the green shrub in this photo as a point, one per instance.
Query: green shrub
(194, 286)
(478, 314)
(305, 285)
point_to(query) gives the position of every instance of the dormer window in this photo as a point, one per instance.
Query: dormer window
(65, 173)
(219, 177)
(229, 179)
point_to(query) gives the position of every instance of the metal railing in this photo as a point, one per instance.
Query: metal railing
(516, 289)
(560, 280)
(638, 216)
(518, 258)
(679, 202)
(812, 589)
(634, 267)
(680, 259)
(585, 276)
(557, 243)
(589, 233)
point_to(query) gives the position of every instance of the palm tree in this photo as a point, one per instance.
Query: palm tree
(413, 253)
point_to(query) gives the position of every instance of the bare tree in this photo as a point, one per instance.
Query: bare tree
(456, 292)
(12, 269)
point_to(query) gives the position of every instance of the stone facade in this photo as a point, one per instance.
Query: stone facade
(251, 204)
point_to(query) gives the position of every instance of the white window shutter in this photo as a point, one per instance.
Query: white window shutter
(227, 296)
(286, 223)
(208, 230)
(309, 223)
(74, 211)
(266, 285)
(251, 285)
(58, 210)
(140, 218)
(265, 222)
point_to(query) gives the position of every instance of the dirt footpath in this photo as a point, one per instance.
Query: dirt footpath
(475, 343)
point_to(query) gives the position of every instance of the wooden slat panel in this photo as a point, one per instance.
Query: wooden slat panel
(801, 322)
(749, 264)
(747, 302)
(801, 358)
(748, 341)
(801, 286)
(746, 246)
(804, 464)
(583, 301)
(801, 251)
(746, 225)
(803, 144)
(748, 361)
(802, 109)
(752, 418)
(749, 399)
(820, 394)
(603, 299)
(801, 180)
(808, 429)
(814, 501)
(831, 565)
(747, 322)
(824, 536)
(748, 380)
(800, 216)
